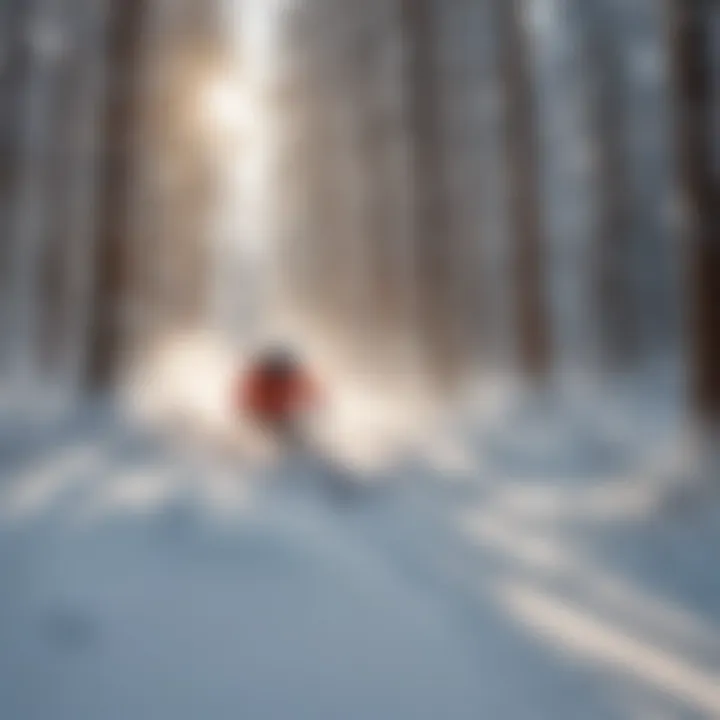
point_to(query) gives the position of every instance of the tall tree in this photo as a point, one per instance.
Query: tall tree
(123, 44)
(526, 223)
(432, 222)
(693, 45)
(617, 310)
(45, 42)
(14, 67)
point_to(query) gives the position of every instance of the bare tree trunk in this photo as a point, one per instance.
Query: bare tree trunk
(616, 301)
(123, 50)
(526, 221)
(693, 75)
(31, 209)
(379, 302)
(432, 222)
(15, 25)
(60, 163)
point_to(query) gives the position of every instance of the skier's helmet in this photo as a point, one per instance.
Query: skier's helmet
(279, 361)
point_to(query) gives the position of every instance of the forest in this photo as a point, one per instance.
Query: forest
(489, 229)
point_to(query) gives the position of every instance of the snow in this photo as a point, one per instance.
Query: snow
(519, 564)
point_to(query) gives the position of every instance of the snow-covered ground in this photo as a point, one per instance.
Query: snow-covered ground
(518, 567)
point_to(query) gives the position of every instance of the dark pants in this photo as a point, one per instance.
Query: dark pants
(287, 431)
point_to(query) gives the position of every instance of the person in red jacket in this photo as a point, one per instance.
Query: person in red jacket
(276, 392)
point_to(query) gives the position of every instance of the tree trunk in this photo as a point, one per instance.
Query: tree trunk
(432, 222)
(526, 223)
(123, 62)
(693, 76)
(616, 301)
(15, 17)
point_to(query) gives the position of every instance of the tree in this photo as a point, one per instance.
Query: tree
(526, 223)
(616, 301)
(123, 42)
(14, 71)
(432, 222)
(692, 47)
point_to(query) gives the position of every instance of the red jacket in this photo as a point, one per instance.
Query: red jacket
(264, 396)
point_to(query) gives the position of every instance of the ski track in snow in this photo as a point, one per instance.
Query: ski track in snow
(519, 574)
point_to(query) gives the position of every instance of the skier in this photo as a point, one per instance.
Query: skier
(277, 393)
